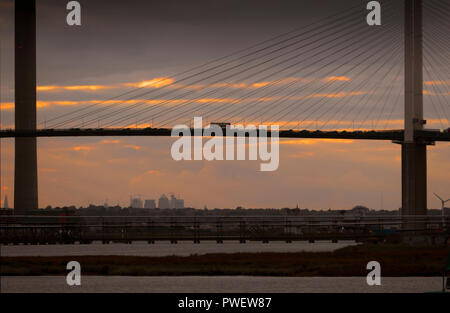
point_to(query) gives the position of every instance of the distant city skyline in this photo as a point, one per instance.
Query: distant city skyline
(139, 202)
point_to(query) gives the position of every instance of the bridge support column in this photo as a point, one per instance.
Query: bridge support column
(414, 158)
(414, 183)
(25, 166)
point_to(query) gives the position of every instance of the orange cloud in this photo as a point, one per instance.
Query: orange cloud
(216, 100)
(47, 88)
(160, 82)
(313, 141)
(436, 82)
(6, 105)
(135, 147)
(338, 78)
(250, 85)
(110, 141)
(337, 95)
(153, 83)
(82, 148)
(260, 85)
(87, 87)
(81, 87)
(42, 104)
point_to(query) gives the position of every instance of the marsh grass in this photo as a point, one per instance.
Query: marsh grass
(395, 260)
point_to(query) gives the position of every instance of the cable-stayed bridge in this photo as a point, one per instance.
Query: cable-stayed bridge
(336, 78)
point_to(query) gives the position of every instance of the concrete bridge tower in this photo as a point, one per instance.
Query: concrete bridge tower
(25, 166)
(414, 152)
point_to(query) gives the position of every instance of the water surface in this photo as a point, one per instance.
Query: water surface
(222, 284)
(166, 248)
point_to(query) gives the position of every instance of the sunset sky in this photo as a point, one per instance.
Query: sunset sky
(144, 44)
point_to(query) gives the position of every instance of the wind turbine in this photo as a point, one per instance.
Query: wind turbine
(442, 208)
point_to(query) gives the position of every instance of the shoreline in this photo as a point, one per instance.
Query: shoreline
(395, 260)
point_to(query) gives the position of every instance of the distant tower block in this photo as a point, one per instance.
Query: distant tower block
(150, 204)
(25, 166)
(5, 203)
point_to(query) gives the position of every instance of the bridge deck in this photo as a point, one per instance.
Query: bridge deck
(393, 135)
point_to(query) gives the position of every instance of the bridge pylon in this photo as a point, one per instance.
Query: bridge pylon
(414, 150)
(25, 165)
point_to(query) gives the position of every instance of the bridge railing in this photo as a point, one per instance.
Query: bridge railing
(84, 229)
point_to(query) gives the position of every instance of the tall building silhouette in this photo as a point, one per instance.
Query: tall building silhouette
(176, 203)
(149, 204)
(163, 202)
(136, 203)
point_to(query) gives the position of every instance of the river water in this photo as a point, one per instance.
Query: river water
(166, 248)
(222, 284)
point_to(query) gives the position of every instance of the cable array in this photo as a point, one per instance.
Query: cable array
(436, 61)
(336, 73)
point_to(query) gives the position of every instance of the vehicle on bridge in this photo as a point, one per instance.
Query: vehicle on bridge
(221, 124)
